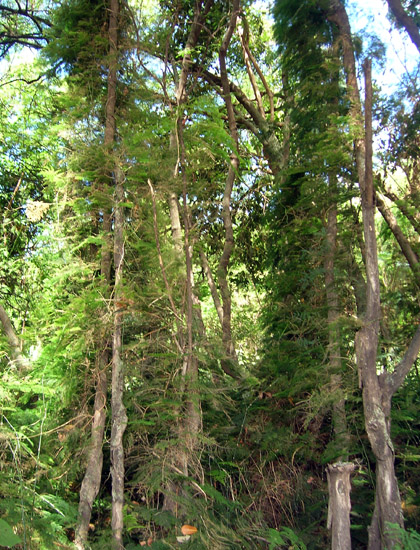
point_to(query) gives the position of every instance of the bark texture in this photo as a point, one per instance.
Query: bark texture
(92, 478)
(119, 416)
(230, 359)
(189, 427)
(14, 342)
(334, 347)
(404, 20)
(377, 389)
(339, 505)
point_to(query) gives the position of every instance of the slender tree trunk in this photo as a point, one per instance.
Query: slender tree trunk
(222, 271)
(334, 347)
(376, 401)
(192, 406)
(339, 505)
(404, 20)
(92, 478)
(377, 389)
(190, 425)
(119, 416)
(14, 342)
(405, 245)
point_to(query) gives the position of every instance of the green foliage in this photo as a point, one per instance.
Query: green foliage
(253, 476)
(7, 536)
(406, 539)
(285, 537)
(78, 35)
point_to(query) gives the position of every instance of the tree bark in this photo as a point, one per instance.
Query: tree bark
(334, 348)
(376, 394)
(15, 345)
(338, 15)
(405, 21)
(405, 246)
(92, 478)
(230, 359)
(119, 416)
(191, 424)
(376, 401)
(339, 504)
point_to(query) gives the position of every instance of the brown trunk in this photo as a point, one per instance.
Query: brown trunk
(405, 21)
(338, 15)
(377, 401)
(405, 246)
(230, 360)
(190, 426)
(334, 349)
(175, 223)
(407, 209)
(15, 345)
(376, 388)
(119, 416)
(339, 505)
(193, 413)
(92, 478)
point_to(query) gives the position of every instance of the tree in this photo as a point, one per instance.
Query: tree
(23, 25)
(193, 208)
(406, 20)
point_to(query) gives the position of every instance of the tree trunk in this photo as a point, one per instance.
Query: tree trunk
(405, 245)
(339, 505)
(230, 358)
(334, 348)
(405, 21)
(376, 388)
(119, 416)
(92, 478)
(15, 345)
(191, 424)
(376, 401)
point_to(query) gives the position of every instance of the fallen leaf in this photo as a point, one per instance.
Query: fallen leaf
(188, 529)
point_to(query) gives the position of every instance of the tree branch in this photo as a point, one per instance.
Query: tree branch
(396, 379)
(405, 246)
(404, 20)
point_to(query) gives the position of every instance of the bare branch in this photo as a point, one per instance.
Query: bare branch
(405, 21)
(397, 378)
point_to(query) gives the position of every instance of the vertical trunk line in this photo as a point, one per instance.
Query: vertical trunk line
(92, 478)
(13, 341)
(119, 416)
(334, 348)
(193, 412)
(376, 400)
(224, 261)
(339, 505)
(190, 425)
(376, 397)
